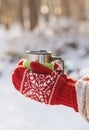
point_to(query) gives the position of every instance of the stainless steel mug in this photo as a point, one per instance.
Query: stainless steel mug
(44, 56)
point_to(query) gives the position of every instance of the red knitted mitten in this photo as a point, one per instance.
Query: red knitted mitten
(45, 85)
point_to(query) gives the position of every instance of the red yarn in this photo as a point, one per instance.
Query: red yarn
(40, 68)
(17, 76)
(65, 94)
(50, 87)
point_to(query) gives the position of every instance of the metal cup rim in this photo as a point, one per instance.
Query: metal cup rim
(41, 52)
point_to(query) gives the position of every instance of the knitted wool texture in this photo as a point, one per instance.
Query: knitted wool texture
(50, 87)
(82, 90)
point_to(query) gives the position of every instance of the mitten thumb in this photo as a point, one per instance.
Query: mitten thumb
(39, 68)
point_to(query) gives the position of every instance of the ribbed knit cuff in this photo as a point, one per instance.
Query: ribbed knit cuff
(82, 91)
(65, 93)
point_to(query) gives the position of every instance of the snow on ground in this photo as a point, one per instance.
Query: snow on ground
(66, 38)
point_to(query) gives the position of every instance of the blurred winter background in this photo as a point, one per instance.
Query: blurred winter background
(60, 26)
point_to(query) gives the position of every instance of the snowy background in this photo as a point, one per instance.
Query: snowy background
(66, 38)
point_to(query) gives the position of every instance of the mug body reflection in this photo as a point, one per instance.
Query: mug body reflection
(41, 56)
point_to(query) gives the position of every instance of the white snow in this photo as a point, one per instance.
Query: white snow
(20, 113)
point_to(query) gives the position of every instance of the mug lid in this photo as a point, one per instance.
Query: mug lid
(41, 52)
